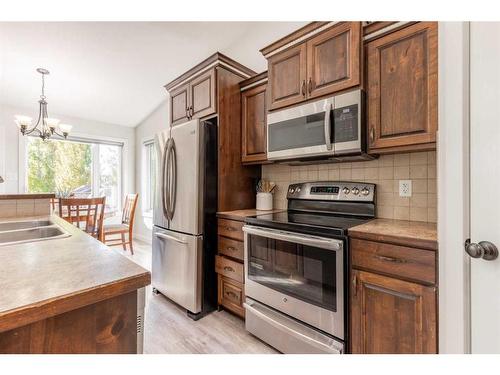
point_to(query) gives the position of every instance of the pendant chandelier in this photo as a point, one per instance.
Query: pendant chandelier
(45, 126)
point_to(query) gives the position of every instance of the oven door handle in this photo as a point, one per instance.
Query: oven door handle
(321, 242)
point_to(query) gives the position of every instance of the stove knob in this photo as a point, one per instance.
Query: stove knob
(355, 190)
(346, 190)
(365, 191)
(291, 190)
(297, 190)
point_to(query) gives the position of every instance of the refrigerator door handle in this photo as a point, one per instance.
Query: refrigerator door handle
(164, 185)
(167, 237)
(173, 190)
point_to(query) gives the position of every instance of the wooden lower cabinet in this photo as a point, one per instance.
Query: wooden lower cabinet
(229, 266)
(391, 316)
(231, 295)
(106, 327)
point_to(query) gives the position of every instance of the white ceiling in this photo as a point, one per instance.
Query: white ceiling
(115, 71)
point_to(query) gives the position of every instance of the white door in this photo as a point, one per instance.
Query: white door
(485, 183)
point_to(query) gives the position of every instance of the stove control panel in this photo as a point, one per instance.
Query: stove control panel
(333, 191)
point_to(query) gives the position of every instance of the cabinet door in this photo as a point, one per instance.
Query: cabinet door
(253, 125)
(202, 95)
(333, 60)
(391, 316)
(179, 105)
(231, 295)
(402, 89)
(287, 77)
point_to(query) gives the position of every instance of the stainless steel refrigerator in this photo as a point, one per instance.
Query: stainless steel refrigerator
(185, 203)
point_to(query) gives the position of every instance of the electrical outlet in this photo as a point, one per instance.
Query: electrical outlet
(405, 188)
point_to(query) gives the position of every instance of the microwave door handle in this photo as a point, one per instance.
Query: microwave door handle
(328, 128)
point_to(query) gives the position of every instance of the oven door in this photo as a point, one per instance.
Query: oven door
(302, 131)
(297, 274)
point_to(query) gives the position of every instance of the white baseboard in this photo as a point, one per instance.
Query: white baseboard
(143, 238)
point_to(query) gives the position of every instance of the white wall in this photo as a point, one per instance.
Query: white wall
(154, 123)
(9, 145)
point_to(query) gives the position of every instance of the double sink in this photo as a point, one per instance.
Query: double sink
(16, 232)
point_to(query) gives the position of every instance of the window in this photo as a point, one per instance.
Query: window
(75, 168)
(150, 175)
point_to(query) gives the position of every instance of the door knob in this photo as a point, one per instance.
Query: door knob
(483, 249)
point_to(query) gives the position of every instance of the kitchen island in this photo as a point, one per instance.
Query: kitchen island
(69, 295)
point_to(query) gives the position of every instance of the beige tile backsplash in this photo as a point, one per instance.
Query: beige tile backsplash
(24, 207)
(385, 172)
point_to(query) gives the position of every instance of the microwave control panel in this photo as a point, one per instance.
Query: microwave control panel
(346, 123)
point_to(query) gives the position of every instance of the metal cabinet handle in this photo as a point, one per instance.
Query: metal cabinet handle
(229, 269)
(372, 135)
(304, 88)
(229, 293)
(483, 249)
(390, 259)
(187, 113)
(310, 85)
(230, 248)
(228, 228)
(191, 112)
(355, 285)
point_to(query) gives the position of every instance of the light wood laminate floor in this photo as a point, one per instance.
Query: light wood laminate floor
(168, 330)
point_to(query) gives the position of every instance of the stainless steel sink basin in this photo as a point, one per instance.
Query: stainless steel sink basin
(29, 231)
(15, 225)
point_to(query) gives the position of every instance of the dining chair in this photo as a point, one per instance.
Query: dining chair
(126, 226)
(85, 213)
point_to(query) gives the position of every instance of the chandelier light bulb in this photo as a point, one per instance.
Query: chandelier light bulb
(23, 120)
(65, 128)
(52, 123)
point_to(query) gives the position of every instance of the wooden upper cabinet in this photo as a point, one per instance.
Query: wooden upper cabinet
(202, 95)
(313, 62)
(402, 84)
(179, 103)
(253, 124)
(333, 60)
(287, 77)
(390, 316)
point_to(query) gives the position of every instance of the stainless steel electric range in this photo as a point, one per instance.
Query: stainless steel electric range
(297, 266)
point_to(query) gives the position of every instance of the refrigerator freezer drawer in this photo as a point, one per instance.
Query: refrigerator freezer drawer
(177, 267)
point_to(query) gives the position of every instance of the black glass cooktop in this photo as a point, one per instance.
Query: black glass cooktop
(311, 223)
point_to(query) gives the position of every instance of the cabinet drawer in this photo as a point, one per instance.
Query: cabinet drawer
(229, 268)
(231, 228)
(230, 248)
(400, 261)
(231, 295)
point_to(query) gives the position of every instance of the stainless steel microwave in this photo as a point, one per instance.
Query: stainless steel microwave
(325, 128)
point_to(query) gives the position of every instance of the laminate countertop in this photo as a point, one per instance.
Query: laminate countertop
(47, 278)
(240, 215)
(400, 232)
